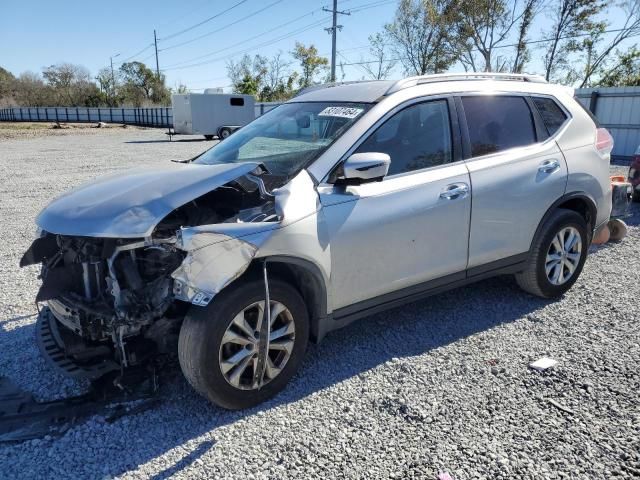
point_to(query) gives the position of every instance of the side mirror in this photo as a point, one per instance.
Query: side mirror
(364, 167)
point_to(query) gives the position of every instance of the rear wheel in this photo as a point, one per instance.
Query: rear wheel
(558, 255)
(230, 353)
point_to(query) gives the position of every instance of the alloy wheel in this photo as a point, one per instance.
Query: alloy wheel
(253, 351)
(563, 256)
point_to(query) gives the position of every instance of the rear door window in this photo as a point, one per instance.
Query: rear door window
(552, 115)
(498, 123)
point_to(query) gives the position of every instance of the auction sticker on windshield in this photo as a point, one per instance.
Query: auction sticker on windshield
(343, 112)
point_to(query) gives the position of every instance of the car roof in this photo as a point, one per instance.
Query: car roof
(358, 92)
(374, 90)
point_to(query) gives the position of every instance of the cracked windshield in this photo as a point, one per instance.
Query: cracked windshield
(287, 138)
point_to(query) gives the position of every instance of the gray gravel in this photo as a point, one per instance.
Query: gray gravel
(441, 385)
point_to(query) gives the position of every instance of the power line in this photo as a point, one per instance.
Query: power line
(285, 24)
(173, 21)
(264, 44)
(366, 6)
(185, 30)
(135, 54)
(186, 42)
(511, 45)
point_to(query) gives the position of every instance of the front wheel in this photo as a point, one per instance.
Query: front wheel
(557, 256)
(230, 353)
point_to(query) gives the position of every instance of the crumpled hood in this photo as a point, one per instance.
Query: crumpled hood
(130, 204)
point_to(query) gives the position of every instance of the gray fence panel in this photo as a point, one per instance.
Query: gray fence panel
(152, 117)
(161, 117)
(618, 110)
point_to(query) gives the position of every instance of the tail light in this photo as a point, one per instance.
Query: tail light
(604, 141)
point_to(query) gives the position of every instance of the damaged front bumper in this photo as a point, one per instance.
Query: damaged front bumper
(68, 353)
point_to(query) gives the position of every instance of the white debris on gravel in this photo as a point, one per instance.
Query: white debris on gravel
(440, 385)
(543, 364)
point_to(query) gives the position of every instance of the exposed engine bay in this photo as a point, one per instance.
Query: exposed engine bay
(119, 298)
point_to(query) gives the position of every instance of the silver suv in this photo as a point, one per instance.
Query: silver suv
(345, 201)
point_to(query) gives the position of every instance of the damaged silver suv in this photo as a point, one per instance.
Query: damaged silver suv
(347, 200)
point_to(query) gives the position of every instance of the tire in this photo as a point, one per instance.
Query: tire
(208, 137)
(201, 346)
(534, 278)
(224, 133)
(636, 196)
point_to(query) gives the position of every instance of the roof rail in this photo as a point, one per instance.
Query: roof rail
(449, 77)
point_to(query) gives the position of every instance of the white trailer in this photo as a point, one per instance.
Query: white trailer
(211, 114)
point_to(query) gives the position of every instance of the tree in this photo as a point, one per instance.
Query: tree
(625, 72)
(485, 26)
(278, 72)
(311, 63)
(571, 18)
(279, 80)
(267, 79)
(108, 85)
(31, 91)
(181, 89)
(141, 85)
(247, 74)
(71, 84)
(522, 52)
(597, 51)
(7, 87)
(382, 65)
(422, 35)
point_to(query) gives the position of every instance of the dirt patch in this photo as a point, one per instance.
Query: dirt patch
(28, 130)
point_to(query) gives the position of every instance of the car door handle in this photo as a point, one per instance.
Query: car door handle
(455, 190)
(549, 166)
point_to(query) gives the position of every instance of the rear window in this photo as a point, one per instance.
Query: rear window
(237, 101)
(552, 115)
(498, 123)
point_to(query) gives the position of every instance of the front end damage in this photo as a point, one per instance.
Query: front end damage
(113, 303)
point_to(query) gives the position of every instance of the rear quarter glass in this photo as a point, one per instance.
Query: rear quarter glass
(591, 115)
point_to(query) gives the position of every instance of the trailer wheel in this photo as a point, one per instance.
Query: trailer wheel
(224, 133)
(208, 137)
(618, 229)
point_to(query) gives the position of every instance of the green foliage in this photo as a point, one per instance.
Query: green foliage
(7, 83)
(382, 65)
(71, 85)
(485, 26)
(571, 19)
(423, 35)
(311, 63)
(269, 80)
(142, 86)
(625, 72)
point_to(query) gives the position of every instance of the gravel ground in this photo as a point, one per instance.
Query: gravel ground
(440, 385)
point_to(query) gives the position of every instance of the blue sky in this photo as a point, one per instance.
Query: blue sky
(38, 33)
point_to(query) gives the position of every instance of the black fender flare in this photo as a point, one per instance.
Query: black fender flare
(582, 196)
(314, 290)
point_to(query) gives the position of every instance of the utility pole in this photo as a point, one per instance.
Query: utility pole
(113, 77)
(333, 30)
(155, 42)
